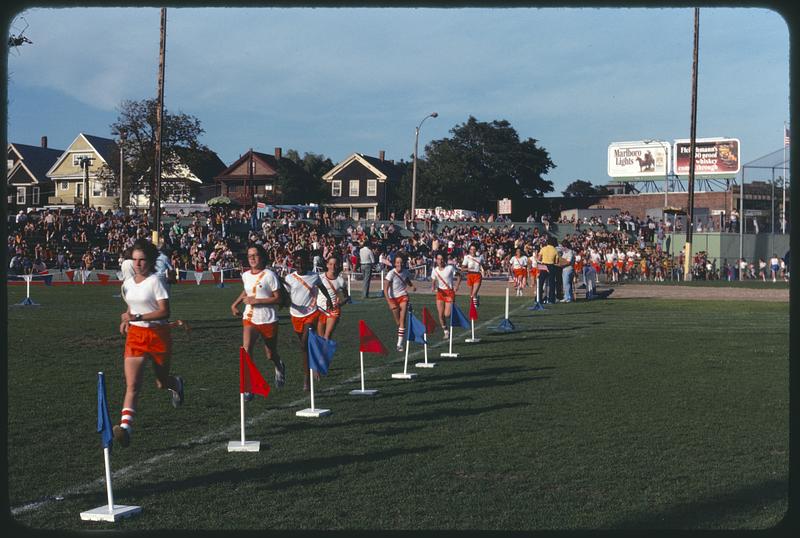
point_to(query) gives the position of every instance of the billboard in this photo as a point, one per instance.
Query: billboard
(639, 159)
(504, 207)
(713, 157)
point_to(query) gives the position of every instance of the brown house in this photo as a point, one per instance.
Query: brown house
(253, 177)
(359, 185)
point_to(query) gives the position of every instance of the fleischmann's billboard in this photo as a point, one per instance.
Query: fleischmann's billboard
(712, 157)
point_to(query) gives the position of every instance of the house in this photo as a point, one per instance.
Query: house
(253, 177)
(79, 173)
(28, 184)
(191, 180)
(359, 185)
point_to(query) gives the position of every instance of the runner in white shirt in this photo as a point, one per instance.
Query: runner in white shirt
(303, 286)
(395, 289)
(261, 296)
(474, 264)
(442, 276)
(775, 266)
(519, 269)
(330, 313)
(146, 325)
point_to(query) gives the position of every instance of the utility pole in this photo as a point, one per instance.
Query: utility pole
(687, 262)
(155, 191)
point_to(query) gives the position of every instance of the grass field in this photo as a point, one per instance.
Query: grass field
(615, 414)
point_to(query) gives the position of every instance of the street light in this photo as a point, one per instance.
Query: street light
(414, 172)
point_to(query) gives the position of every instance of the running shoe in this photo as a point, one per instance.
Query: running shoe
(177, 393)
(122, 436)
(280, 374)
(445, 334)
(248, 396)
(399, 347)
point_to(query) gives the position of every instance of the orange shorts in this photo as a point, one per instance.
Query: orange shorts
(395, 302)
(155, 341)
(534, 273)
(445, 296)
(519, 273)
(299, 323)
(266, 330)
(473, 278)
(333, 313)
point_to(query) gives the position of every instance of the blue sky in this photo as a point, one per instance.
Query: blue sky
(341, 80)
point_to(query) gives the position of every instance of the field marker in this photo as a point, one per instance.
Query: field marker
(363, 391)
(405, 374)
(134, 471)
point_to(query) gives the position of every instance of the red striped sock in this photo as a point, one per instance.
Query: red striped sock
(127, 418)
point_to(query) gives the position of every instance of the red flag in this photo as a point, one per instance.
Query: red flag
(103, 278)
(473, 312)
(250, 379)
(370, 343)
(70, 274)
(45, 272)
(427, 319)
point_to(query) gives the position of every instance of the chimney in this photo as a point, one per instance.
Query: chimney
(382, 155)
(44, 141)
(278, 154)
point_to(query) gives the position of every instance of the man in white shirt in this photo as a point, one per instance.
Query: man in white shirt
(367, 258)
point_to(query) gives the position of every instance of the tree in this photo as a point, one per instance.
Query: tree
(302, 182)
(137, 119)
(481, 163)
(580, 188)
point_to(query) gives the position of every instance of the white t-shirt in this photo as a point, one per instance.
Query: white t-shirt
(472, 263)
(303, 291)
(519, 263)
(333, 286)
(443, 278)
(142, 298)
(261, 285)
(397, 283)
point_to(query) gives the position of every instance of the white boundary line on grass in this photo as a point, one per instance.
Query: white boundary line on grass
(126, 474)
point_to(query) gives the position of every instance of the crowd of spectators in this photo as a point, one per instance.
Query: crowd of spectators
(623, 247)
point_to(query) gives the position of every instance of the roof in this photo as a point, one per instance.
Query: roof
(105, 147)
(202, 162)
(266, 158)
(384, 170)
(36, 159)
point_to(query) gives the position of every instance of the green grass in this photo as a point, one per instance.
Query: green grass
(750, 284)
(622, 413)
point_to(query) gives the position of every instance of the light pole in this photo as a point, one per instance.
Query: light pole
(414, 170)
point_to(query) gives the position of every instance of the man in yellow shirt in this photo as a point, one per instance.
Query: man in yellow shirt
(548, 255)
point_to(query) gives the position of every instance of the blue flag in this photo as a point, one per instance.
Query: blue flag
(320, 352)
(458, 319)
(103, 419)
(415, 329)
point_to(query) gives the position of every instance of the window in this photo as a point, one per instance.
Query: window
(76, 158)
(20, 195)
(10, 164)
(354, 213)
(336, 187)
(10, 199)
(64, 185)
(372, 187)
(370, 210)
(354, 184)
(79, 190)
(268, 187)
(97, 189)
(35, 196)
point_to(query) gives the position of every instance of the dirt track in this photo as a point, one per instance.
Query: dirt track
(624, 291)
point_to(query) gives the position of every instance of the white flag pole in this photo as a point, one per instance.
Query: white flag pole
(362, 372)
(506, 303)
(241, 406)
(106, 457)
(425, 338)
(452, 329)
(405, 363)
(28, 279)
(472, 323)
(311, 377)
(537, 286)
(349, 278)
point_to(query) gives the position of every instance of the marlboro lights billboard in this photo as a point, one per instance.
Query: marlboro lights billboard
(712, 157)
(638, 159)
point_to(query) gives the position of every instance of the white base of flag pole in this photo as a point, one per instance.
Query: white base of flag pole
(364, 392)
(247, 446)
(402, 375)
(472, 340)
(102, 513)
(425, 364)
(313, 412)
(454, 355)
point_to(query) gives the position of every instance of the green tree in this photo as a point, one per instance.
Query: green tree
(580, 188)
(301, 181)
(481, 163)
(137, 120)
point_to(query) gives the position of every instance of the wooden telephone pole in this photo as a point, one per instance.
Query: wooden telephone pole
(155, 191)
(687, 262)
